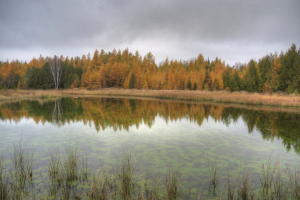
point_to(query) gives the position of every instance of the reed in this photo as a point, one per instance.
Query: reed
(231, 187)
(152, 186)
(171, 183)
(267, 176)
(213, 171)
(69, 177)
(294, 177)
(84, 168)
(244, 190)
(100, 187)
(53, 165)
(126, 174)
(21, 171)
(3, 182)
(71, 163)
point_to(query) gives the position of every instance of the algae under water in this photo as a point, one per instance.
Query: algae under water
(161, 133)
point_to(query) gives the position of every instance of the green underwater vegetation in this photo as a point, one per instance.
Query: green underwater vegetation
(69, 175)
(174, 138)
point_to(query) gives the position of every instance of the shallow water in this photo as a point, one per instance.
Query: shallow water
(161, 134)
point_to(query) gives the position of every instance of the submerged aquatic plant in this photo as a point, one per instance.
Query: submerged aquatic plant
(69, 177)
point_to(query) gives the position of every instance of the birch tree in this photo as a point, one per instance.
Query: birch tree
(56, 70)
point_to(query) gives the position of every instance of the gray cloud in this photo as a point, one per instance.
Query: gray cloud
(232, 29)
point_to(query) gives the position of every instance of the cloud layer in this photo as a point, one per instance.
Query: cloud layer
(234, 30)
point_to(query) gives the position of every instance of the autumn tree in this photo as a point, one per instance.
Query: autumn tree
(274, 83)
(114, 75)
(101, 78)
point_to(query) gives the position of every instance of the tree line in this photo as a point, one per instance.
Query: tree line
(124, 69)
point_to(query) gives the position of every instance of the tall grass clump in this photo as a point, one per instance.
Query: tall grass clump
(68, 176)
(294, 176)
(126, 174)
(3, 181)
(267, 176)
(66, 172)
(152, 186)
(280, 181)
(245, 188)
(232, 185)
(71, 163)
(21, 172)
(171, 183)
(97, 189)
(53, 165)
(213, 172)
(84, 168)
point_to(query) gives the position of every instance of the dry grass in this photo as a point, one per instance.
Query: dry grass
(242, 98)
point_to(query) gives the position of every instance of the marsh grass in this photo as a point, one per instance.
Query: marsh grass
(280, 181)
(172, 184)
(53, 165)
(46, 96)
(232, 185)
(152, 185)
(286, 100)
(213, 172)
(71, 163)
(245, 190)
(294, 176)
(126, 174)
(69, 177)
(21, 171)
(100, 186)
(3, 178)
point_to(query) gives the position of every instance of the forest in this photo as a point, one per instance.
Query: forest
(123, 69)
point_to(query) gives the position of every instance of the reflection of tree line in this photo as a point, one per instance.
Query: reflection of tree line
(117, 113)
(123, 113)
(270, 124)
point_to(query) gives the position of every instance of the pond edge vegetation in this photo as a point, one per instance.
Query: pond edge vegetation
(69, 175)
(239, 98)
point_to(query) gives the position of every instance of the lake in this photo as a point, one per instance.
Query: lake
(161, 134)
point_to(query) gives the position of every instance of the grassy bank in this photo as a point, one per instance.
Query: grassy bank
(69, 175)
(243, 98)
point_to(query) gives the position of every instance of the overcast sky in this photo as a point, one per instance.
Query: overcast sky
(234, 30)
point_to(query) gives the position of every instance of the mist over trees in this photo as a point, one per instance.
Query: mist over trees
(124, 69)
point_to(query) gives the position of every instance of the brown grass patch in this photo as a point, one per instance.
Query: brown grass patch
(242, 98)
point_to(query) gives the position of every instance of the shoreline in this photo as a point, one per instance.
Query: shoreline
(237, 98)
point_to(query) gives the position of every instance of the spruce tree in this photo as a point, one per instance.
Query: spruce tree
(189, 84)
(195, 86)
(289, 72)
(132, 81)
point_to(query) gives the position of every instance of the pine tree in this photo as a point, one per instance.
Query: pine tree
(189, 84)
(19, 85)
(132, 81)
(195, 86)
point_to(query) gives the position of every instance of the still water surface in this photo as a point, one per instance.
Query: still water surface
(161, 134)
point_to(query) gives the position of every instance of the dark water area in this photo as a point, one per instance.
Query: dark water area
(161, 134)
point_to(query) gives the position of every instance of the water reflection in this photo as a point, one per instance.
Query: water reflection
(58, 115)
(121, 114)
